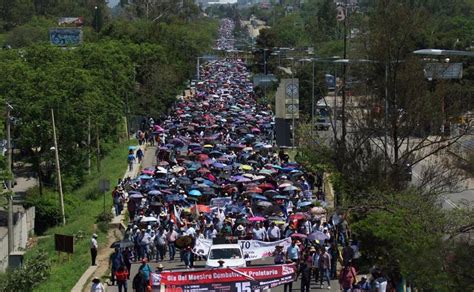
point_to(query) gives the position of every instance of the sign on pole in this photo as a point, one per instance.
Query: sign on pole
(64, 243)
(104, 185)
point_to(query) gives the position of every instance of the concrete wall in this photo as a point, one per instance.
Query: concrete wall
(24, 225)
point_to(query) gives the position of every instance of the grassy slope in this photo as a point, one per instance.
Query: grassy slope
(64, 274)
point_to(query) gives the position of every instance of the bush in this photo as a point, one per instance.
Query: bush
(34, 271)
(48, 212)
(104, 217)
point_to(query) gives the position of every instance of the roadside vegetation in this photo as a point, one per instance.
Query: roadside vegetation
(131, 65)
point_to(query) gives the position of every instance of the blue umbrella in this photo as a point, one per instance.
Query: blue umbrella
(318, 235)
(196, 193)
(304, 204)
(259, 197)
(218, 165)
(144, 176)
(132, 148)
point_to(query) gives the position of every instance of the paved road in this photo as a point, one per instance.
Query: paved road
(176, 264)
(150, 161)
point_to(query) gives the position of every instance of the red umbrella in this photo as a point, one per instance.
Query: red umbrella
(298, 216)
(202, 157)
(266, 186)
(201, 208)
(255, 190)
(203, 170)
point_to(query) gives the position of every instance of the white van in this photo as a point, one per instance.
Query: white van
(231, 254)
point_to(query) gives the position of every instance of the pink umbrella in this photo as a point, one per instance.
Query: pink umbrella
(256, 219)
(157, 128)
(148, 171)
(299, 235)
(256, 130)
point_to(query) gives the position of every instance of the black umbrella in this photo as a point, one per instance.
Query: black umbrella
(122, 244)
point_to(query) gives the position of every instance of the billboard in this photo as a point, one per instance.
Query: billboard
(65, 36)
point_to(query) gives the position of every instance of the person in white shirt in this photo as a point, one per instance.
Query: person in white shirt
(94, 246)
(274, 232)
(259, 233)
(97, 285)
(191, 231)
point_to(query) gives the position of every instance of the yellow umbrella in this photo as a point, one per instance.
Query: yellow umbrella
(208, 146)
(246, 167)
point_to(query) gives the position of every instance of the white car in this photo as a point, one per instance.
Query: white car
(231, 254)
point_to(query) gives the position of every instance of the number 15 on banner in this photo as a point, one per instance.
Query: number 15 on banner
(243, 287)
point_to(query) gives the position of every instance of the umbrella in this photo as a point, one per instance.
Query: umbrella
(135, 196)
(148, 171)
(304, 204)
(266, 172)
(184, 241)
(218, 165)
(259, 197)
(161, 170)
(266, 186)
(246, 167)
(154, 193)
(271, 193)
(290, 188)
(284, 185)
(298, 216)
(177, 169)
(122, 244)
(264, 204)
(318, 235)
(280, 197)
(195, 193)
(299, 235)
(256, 219)
(132, 148)
(145, 177)
(148, 219)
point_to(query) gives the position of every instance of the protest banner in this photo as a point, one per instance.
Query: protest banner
(252, 249)
(225, 279)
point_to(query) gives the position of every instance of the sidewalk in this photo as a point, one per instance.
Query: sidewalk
(103, 254)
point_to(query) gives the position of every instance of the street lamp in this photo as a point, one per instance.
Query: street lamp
(96, 10)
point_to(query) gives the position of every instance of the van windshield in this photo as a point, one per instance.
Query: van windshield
(228, 253)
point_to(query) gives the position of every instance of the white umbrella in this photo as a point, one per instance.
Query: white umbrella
(148, 219)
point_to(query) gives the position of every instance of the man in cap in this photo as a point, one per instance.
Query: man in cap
(94, 246)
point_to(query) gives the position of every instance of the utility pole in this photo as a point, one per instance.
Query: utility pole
(11, 242)
(58, 169)
(89, 144)
(98, 147)
(344, 72)
(312, 102)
